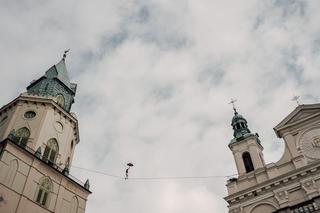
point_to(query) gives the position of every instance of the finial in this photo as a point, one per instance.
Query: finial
(87, 184)
(65, 54)
(233, 105)
(296, 98)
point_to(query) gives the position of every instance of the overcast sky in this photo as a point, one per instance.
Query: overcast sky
(154, 81)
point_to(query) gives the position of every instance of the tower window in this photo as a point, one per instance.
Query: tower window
(68, 162)
(238, 126)
(43, 191)
(71, 145)
(247, 162)
(29, 114)
(21, 136)
(60, 100)
(51, 150)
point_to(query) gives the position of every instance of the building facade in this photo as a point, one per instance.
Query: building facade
(38, 136)
(290, 185)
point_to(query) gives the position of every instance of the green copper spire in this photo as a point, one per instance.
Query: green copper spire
(55, 83)
(240, 127)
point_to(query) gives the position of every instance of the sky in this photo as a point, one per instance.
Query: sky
(154, 81)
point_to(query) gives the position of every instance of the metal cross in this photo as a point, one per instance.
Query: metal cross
(296, 98)
(65, 54)
(233, 105)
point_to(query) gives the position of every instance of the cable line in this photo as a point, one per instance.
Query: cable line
(156, 178)
(98, 172)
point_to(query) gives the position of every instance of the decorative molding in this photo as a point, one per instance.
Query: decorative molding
(310, 188)
(282, 196)
(237, 209)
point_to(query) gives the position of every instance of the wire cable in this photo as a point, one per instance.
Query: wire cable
(98, 172)
(156, 178)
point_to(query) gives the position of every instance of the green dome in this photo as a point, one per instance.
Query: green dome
(240, 126)
(237, 117)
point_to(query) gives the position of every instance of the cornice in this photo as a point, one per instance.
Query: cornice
(274, 183)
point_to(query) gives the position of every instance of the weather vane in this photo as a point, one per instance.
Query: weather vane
(233, 105)
(296, 99)
(65, 54)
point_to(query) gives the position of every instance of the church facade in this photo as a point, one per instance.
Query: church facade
(38, 136)
(291, 185)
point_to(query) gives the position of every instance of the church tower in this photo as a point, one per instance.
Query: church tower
(245, 146)
(38, 135)
(290, 185)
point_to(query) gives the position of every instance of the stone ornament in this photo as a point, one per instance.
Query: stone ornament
(309, 186)
(310, 144)
(282, 196)
(316, 141)
(237, 210)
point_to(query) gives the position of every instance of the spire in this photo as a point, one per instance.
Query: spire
(60, 72)
(240, 127)
(87, 184)
(56, 83)
(38, 152)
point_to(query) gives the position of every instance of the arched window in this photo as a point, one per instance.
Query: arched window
(247, 162)
(68, 162)
(43, 192)
(74, 205)
(22, 135)
(60, 100)
(71, 145)
(238, 126)
(51, 150)
(13, 168)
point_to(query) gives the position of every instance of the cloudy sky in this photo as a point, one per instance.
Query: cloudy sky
(154, 81)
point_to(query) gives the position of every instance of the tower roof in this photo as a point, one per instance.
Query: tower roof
(237, 117)
(240, 127)
(55, 83)
(59, 71)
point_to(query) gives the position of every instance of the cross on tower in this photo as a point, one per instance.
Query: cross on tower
(233, 105)
(296, 98)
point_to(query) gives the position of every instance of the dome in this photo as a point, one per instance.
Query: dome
(239, 125)
(237, 117)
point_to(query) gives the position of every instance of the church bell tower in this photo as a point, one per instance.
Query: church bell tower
(245, 146)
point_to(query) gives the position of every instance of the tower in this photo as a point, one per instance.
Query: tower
(245, 146)
(290, 185)
(38, 135)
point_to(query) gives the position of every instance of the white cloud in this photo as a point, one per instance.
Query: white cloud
(154, 79)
